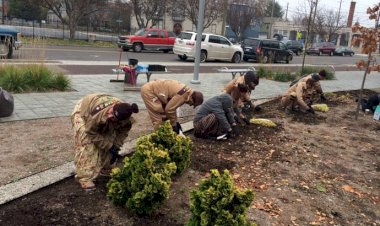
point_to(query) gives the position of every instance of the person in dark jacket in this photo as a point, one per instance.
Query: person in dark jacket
(215, 117)
(371, 103)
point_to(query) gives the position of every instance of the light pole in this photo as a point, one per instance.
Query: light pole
(201, 15)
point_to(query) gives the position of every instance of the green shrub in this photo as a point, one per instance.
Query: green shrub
(32, 78)
(216, 201)
(144, 180)
(179, 147)
(284, 76)
(263, 73)
(310, 70)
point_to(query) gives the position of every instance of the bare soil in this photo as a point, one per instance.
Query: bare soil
(318, 169)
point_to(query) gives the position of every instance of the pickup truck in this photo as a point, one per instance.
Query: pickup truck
(9, 40)
(148, 39)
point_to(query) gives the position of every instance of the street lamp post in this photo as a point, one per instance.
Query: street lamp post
(201, 15)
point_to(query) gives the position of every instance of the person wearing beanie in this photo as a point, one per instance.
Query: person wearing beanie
(240, 90)
(163, 97)
(321, 75)
(298, 95)
(101, 123)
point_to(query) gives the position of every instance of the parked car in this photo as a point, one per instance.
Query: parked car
(344, 51)
(266, 50)
(9, 40)
(295, 46)
(321, 48)
(148, 39)
(213, 47)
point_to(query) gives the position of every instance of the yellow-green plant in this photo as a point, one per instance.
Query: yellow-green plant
(216, 201)
(178, 147)
(144, 180)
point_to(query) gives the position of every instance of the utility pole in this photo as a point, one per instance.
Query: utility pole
(307, 34)
(286, 14)
(225, 3)
(2, 11)
(337, 19)
(271, 21)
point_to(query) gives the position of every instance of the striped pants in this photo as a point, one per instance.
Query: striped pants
(208, 126)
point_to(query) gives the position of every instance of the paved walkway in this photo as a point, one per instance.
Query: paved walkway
(46, 105)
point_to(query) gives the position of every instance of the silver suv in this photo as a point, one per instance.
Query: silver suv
(213, 47)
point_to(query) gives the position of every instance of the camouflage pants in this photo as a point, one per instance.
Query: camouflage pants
(89, 160)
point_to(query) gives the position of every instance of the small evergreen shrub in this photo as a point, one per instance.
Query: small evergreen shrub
(216, 201)
(32, 78)
(179, 147)
(144, 180)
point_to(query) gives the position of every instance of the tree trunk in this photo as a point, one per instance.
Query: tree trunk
(361, 89)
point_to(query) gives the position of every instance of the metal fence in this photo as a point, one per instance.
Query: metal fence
(55, 29)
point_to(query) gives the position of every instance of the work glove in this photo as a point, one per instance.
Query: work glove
(323, 98)
(114, 153)
(177, 128)
(257, 108)
(311, 110)
(234, 132)
(246, 120)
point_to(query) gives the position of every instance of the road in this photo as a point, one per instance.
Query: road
(101, 60)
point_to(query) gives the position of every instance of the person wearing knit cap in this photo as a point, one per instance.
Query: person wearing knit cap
(321, 75)
(101, 123)
(240, 90)
(163, 97)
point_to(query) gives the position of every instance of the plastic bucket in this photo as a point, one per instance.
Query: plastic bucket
(133, 62)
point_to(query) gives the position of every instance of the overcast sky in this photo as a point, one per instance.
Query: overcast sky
(360, 9)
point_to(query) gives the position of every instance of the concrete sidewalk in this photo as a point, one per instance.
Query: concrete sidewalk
(47, 105)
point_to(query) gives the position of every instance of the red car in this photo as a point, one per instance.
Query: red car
(148, 39)
(321, 48)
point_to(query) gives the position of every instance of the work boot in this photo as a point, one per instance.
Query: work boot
(87, 185)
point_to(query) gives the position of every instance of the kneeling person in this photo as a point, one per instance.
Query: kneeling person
(298, 95)
(215, 117)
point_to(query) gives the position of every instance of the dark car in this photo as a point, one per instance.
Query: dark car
(295, 46)
(344, 51)
(321, 48)
(265, 50)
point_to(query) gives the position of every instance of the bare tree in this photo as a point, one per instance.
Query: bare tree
(242, 16)
(370, 39)
(328, 23)
(148, 11)
(213, 11)
(70, 12)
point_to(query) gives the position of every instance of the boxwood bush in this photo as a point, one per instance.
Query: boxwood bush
(217, 201)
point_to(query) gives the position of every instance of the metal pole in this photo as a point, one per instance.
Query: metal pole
(201, 15)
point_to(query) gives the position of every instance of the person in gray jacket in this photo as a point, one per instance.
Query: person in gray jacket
(215, 118)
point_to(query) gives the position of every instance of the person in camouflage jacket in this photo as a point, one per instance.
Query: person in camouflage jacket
(101, 123)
